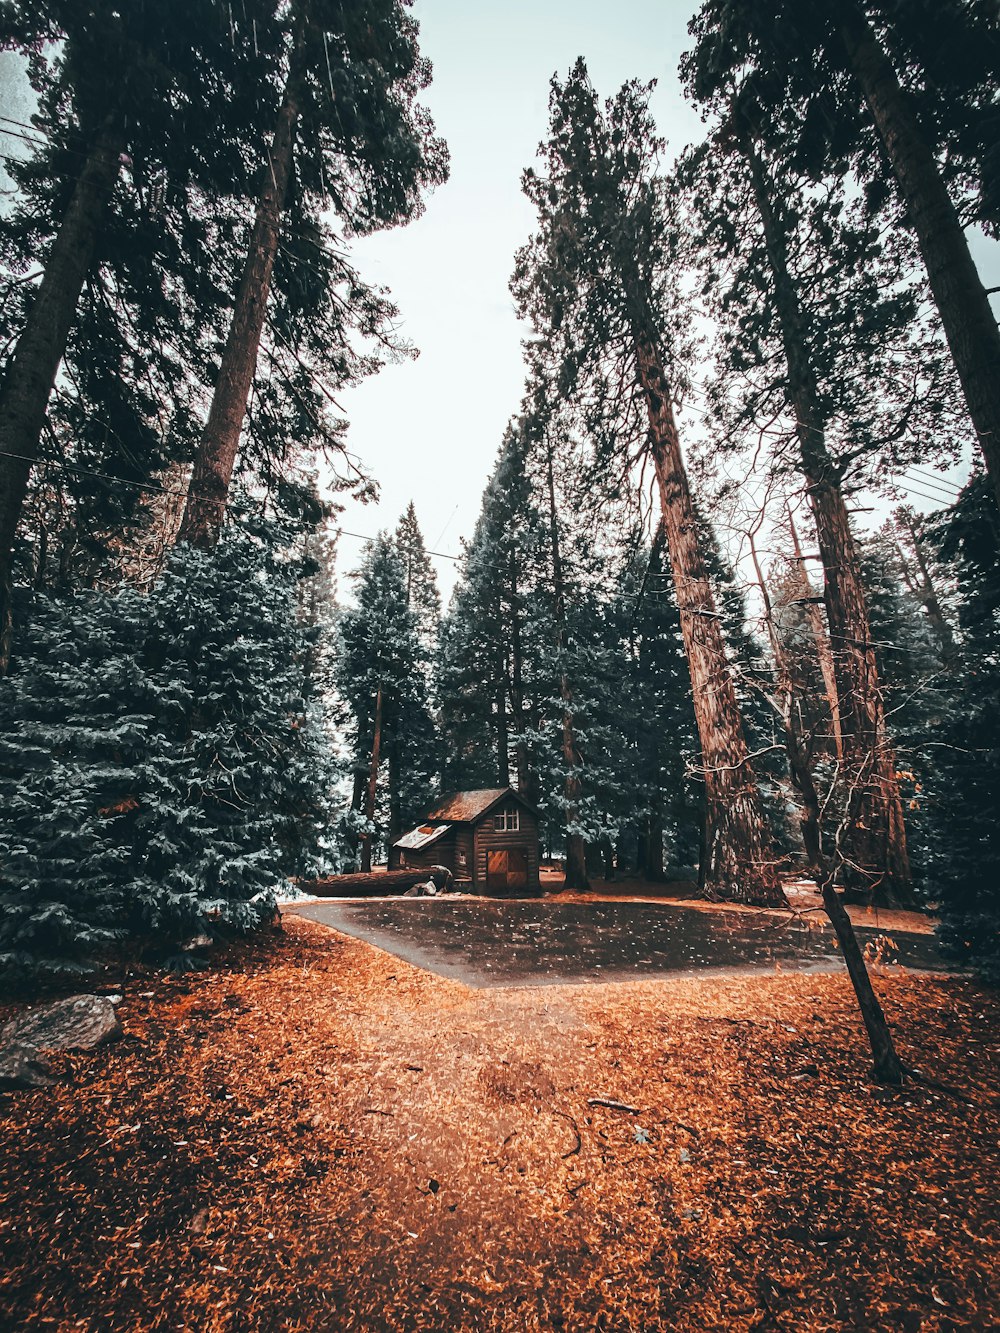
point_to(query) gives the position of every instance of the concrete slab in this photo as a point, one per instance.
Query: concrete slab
(487, 943)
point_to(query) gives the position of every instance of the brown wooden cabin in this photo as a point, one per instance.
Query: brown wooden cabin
(488, 839)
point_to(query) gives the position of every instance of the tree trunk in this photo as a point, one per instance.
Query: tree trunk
(366, 841)
(799, 767)
(608, 852)
(524, 783)
(32, 369)
(888, 1068)
(212, 472)
(652, 851)
(874, 838)
(358, 805)
(958, 291)
(924, 590)
(394, 882)
(739, 864)
(576, 876)
(395, 810)
(503, 735)
(824, 652)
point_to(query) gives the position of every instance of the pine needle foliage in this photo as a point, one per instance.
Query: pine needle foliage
(966, 877)
(162, 766)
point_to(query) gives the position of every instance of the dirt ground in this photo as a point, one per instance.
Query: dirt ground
(317, 1135)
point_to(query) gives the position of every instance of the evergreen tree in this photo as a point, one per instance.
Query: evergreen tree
(596, 281)
(163, 764)
(141, 110)
(819, 321)
(964, 744)
(348, 132)
(660, 739)
(421, 582)
(485, 681)
(381, 677)
(905, 95)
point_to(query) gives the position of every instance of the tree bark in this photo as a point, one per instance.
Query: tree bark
(739, 863)
(212, 472)
(652, 850)
(874, 842)
(958, 291)
(357, 804)
(366, 841)
(395, 776)
(31, 372)
(575, 876)
(888, 1067)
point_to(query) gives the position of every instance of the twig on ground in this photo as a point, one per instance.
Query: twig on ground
(612, 1105)
(576, 1130)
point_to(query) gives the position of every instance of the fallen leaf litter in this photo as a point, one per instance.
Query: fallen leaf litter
(260, 1151)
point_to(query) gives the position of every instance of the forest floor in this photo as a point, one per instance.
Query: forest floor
(317, 1135)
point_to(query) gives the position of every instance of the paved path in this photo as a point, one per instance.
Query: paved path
(485, 943)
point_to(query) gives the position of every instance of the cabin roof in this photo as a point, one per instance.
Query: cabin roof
(422, 836)
(462, 807)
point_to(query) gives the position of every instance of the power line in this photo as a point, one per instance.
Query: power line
(940, 481)
(944, 497)
(932, 499)
(443, 555)
(89, 472)
(22, 124)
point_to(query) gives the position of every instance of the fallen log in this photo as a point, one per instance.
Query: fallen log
(374, 885)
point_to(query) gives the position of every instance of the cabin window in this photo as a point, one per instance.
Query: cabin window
(507, 821)
(462, 859)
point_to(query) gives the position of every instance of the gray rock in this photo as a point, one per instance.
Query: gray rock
(75, 1024)
(23, 1067)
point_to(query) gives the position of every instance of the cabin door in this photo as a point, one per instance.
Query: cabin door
(506, 870)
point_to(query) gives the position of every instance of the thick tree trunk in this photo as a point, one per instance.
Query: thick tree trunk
(824, 653)
(956, 286)
(212, 472)
(739, 862)
(576, 876)
(874, 837)
(366, 841)
(32, 369)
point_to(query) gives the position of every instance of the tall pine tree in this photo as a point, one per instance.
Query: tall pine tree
(596, 282)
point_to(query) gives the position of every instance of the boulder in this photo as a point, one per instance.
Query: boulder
(23, 1067)
(74, 1024)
